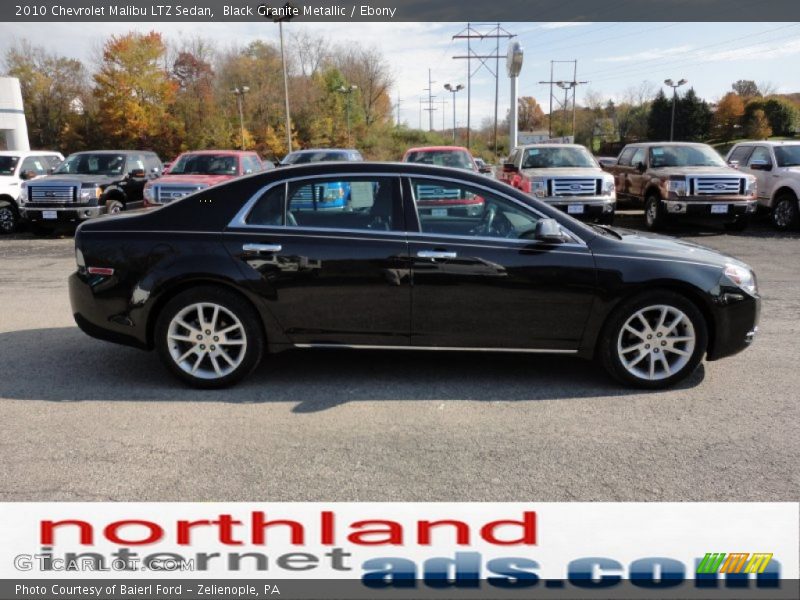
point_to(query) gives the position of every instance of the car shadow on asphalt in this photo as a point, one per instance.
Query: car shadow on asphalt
(64, 365)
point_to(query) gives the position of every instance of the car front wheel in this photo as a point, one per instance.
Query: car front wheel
(8, 219)
(654, 340)
(209, 337)
(653, 213)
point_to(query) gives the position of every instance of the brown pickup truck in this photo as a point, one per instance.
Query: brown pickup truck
(679, 179)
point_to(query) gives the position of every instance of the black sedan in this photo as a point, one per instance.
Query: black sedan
(278, 260)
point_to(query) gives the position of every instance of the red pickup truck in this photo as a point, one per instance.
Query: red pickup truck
(194, 171)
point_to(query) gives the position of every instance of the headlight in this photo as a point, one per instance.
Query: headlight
(539, 188)
(89, 193)
(677, 187)
(609, 187)
(752, 187)
(743, 278)
(23, 194)
(148, 194)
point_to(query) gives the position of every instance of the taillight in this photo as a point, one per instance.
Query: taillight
(103, 271)
(525, 185)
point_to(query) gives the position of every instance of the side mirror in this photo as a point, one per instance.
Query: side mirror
(486, 169)
(733, 164)
(26, 175)
(641, 167)
(549, 231)
(51, 170)
(137, 173)
(510, 168)
(761, 165)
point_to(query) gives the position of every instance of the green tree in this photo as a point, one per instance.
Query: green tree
(746, 88)
(659, 117)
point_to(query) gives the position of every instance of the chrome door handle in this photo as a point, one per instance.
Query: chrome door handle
(436, 254)
(262, 248)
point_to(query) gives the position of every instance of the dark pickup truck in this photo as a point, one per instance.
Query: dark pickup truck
(683, 180)
(86, 185)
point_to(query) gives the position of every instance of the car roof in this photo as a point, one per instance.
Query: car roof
(769, 143)
(323, 150)
(651, 144)
(231, 152)
(25, 153)
(549, 145)
(125, 152)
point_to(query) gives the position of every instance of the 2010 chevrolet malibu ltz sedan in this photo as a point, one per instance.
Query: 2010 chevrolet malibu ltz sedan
(219, 278)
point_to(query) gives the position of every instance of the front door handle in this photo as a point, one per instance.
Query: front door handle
(258, 248)
(436, 254)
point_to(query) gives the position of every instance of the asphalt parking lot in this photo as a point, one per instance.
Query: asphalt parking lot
(81, 419)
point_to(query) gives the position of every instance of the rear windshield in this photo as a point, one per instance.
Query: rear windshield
(8, 164)
(205, 164)
(92, 164)
(297, 158)
(443, 158)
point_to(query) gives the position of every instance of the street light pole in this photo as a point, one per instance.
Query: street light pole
(347, 90)
(240, 92)
(453, 89)
(279, 16)
(674, 87)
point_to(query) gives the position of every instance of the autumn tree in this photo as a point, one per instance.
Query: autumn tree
(367, 69)
(757, 126)
(728, 116)
(135, 94)
(529, 114)
(746, 88)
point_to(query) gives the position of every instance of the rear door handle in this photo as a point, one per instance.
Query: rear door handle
(257, 248)
(436, 254)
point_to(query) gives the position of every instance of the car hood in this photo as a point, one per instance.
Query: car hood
(74, 179)
(666, 171)
(193, 179)
(652, 245)
(564, 172)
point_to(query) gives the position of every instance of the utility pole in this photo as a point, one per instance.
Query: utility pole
(566, 86)
(430, 108)
(444, 103)
(469, 34)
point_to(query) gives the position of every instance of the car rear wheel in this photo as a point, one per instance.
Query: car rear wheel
(654, 340)
(653, 213)
(9, 219)
(209, 337)
(785, 211)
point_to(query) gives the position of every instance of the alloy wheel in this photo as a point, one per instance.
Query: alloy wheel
(8, 220)
(783, 214)
(656, 342)
(206, 340)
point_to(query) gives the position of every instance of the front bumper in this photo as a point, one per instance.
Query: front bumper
(584, 206)
(719, 207)
(60, 214)
(735, 323)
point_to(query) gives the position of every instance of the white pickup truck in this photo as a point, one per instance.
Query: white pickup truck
(776, 165)
(16, 167)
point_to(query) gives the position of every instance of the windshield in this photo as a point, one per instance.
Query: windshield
(684, 156)
(788, 156)
(296, 158)
(8, 164)
(204, 164)
(92, 164)
(548, 158)
(457, 159)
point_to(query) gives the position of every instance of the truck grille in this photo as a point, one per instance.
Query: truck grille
(52, 193)
(435, 192)
(164, 194)
(716, 186)
(575, 187)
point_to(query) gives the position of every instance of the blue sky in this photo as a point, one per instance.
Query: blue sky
(613, 57)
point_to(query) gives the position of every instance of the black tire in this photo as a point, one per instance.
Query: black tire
(654, 216)
(739, 224)
(612, 332)
(114, 206)
(785, 212)
(252, 350)
(9, 218)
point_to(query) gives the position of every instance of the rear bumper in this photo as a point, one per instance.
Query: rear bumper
(719, 208)
(736, 325)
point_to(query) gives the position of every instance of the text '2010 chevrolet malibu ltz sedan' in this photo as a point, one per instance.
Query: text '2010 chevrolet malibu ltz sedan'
(271, 262)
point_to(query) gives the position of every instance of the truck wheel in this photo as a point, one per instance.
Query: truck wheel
(654, 340)
(9, 219)
(785, 211)
(209, 337)
(114, 207)
(653, 213)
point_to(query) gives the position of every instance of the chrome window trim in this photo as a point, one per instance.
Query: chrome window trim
(239, 220)
(572, 234)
